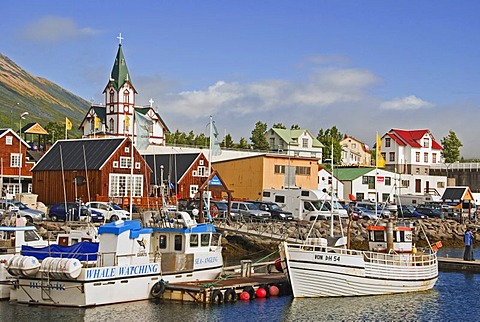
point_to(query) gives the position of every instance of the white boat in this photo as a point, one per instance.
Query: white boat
(12, 238)
(392, 265)
(133, 263)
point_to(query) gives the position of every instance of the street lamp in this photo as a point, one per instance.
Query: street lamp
(22, 117)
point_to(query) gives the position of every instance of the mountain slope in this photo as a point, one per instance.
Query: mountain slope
(42, 99)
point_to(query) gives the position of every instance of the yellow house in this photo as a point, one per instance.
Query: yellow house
(248, 176)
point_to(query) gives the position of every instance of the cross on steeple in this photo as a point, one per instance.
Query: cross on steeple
(151, 102)
(120, 39)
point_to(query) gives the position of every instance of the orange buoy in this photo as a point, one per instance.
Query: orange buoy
(260, 292)
(244, 296)
(274, 291)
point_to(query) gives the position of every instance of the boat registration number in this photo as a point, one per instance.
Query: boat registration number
(327, 258)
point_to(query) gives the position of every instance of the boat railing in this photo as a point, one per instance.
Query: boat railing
(424, 258)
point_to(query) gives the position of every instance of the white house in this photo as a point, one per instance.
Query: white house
(294, 143)
(325, 182)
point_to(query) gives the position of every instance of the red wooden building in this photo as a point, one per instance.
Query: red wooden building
(90, 169)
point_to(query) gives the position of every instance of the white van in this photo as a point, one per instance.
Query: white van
(305, 204)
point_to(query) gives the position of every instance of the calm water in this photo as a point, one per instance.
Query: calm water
(454, 297)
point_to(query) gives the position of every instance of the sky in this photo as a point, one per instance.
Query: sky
(362, 66)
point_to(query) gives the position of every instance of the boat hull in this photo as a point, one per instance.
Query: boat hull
(334, 272)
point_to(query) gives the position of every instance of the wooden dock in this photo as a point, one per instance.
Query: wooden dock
(458, 265)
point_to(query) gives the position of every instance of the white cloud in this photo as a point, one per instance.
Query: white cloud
(406, 103)
(54, 29)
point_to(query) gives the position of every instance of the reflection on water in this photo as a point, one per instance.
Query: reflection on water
(454, 297)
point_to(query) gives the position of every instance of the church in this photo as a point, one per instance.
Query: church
(116, 116)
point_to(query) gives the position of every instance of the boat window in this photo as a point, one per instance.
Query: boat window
(378, 235)
(30, 235)
(162, 241)
(402, 236)
(193, 240)
(205, 239)
(215, 239)
(178, 242)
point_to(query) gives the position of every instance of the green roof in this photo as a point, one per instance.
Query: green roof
(120, 73)
(290, 136)
(350, 174)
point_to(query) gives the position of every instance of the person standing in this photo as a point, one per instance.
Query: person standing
(468, 239)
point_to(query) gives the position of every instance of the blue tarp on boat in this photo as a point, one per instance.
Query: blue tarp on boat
(83, 251)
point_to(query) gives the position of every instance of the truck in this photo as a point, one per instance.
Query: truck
(305, 204)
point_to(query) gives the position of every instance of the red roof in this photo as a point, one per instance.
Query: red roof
(412, 138)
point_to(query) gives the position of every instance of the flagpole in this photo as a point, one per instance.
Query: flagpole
(132, 162)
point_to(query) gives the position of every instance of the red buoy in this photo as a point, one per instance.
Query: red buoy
(260, 292)
(278, 265)
(244, 296)
(274, 291)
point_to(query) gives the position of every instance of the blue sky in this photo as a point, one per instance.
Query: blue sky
(363, 66)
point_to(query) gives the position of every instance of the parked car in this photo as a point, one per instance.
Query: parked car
(31, 215)
(217, 208)
(248, 210)
(111, 211)
(274, 209)
(366, 213)
(383, 213)
(409, 212)
(74, 211)
(430, 212)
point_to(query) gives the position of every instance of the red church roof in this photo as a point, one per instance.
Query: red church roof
(412, 138)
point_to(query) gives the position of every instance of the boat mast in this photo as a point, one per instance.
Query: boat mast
(331, 194)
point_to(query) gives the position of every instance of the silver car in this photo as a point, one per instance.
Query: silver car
(31, 215)
(248, 210)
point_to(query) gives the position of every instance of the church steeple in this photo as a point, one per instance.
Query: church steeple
(120, 74)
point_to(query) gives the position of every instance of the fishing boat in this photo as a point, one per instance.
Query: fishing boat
(133, 262)
(316, 268)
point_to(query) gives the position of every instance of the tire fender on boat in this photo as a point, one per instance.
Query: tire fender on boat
(230, 295)
(158, 289)
(216, 297)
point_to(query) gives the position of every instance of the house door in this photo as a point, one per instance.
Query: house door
(418, 185)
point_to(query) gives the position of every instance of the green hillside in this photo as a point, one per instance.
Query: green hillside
(42, 99)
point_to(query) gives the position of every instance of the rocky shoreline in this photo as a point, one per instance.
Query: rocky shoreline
(426, 231)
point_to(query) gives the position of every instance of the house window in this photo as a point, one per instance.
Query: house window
(193, 190)
(425, 157)
(137, 165)
(417, 156)
(440, 184)
(360, 196)
(111, 126)
(385, 197)
(127, 149)
(120, 185)
(417, 170)
(15, 160)
(200, 162)
(434, 158)
(8, 140)
(272, 143)
(202, 171)
(387, 142)
(405, 183)
(354, 145)
(388, 181)
(302, 170)
(384, 155)
(426, 142)
(125, 162)
(305, 143)
(279, 169)
(391, 156)
(115, 164)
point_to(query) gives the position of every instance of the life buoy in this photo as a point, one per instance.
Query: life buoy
(216, 297)
(158, 289)
(230, 295)
(250, 290)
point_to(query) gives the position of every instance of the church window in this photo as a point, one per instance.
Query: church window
(111, 126)
(126, 96)
(112, 96)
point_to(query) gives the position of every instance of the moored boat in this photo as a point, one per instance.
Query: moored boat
(391, 265)
(133, 263)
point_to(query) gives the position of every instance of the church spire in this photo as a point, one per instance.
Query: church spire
(120, 73)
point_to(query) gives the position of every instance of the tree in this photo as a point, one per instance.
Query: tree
(259, 141)
(242, 144)
(295, 127)
(227, 141)
(201, 140)
(56, 131)
(328, 137)
(279, 126)
(451, 148)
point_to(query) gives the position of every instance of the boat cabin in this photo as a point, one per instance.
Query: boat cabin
(13, 237)
(402, 238)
